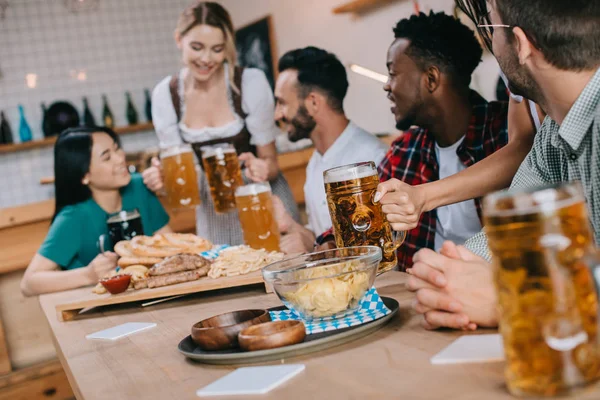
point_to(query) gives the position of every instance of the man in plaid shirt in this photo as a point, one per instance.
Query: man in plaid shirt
(447, 127)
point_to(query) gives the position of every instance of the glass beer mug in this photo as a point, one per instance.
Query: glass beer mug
(224, 175)
(543, 258)
(357, 219)
(257, 217)
(181, 179)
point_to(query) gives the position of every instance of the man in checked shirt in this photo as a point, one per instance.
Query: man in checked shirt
(447, 126)
(550, 53)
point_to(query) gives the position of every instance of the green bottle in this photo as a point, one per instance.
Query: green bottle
(5, 131)
(88, 118)
(107, 116)
(148, 105)
(132, 115)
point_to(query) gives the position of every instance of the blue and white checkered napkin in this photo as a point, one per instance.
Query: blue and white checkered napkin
(371, 308)
(214, 252)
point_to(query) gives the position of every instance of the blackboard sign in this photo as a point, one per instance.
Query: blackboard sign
(256, 47)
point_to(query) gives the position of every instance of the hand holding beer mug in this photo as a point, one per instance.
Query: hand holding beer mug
(181, 179)
(224, 175)
(543, 254)
(357, 219)
(257, 216)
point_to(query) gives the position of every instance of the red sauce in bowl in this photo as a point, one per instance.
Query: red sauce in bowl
(116, 284)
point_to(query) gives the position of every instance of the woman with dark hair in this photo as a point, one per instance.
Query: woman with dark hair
(92, 182)
(211, 101)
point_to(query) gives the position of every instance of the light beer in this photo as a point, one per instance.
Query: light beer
(180, 177)
(357, 219)
(257, 217)
(542, 243)
(224, 175)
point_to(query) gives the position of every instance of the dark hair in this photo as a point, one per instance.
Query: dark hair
(477, 12)
(318, 70)
(566, 32)
(72, 156)
(443, 41)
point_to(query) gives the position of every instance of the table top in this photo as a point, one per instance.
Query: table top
(390, 363)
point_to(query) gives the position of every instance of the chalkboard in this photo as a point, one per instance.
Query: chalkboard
(256, 47)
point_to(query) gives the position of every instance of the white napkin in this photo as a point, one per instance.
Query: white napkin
(471, 349)
(251, 380)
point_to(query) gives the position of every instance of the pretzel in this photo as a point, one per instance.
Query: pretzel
(155, 246)
(190, 242)
(123, 249)
(125, 262)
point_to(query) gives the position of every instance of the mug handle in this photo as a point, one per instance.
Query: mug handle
(398, 238)
(104, 243)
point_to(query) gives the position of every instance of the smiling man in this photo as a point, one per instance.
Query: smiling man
(310, 93)
(448, 127)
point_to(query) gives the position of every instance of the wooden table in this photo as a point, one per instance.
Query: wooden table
(391, 363)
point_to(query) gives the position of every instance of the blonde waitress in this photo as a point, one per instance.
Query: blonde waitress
(210, 101)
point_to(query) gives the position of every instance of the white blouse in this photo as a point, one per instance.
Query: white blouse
(257, 103)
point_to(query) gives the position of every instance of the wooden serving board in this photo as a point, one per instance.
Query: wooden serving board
(66, 311)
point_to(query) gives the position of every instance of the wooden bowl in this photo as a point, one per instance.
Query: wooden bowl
(270, 335)
(221, 331)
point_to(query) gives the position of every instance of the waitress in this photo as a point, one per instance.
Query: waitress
(91, 182)
(211, 101)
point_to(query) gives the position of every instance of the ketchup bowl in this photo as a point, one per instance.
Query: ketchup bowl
(116, 284)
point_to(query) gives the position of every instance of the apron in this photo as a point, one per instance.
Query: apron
(225, 228)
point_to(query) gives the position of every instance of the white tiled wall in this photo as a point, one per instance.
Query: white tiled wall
(123, 45)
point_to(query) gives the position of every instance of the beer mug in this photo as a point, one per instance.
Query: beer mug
(357, 219)
(181, 179)
(223, 173)
(543, 258)
(124, 225)
(257, 216)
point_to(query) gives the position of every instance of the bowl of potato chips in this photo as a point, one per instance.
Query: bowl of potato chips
(325, 284)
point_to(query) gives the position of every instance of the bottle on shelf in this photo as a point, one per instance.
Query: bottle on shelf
(132, 115)
(24, 129)
(148, 106)
(107, 115)
(45, 127)
(88, 117)
(5, 131)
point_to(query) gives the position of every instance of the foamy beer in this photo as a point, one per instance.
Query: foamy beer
(543, 251)
(181, 179)
(224, 175)
(357, 219)
(257, 217)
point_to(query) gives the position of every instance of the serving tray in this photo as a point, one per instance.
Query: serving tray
(312, 343)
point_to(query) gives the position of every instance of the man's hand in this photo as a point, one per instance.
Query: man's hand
(153, 178)
(403, 204)
(256, 169)
(454, 289)
(296, 242)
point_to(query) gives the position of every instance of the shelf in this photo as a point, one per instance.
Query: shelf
(47, 142)
(359, 5)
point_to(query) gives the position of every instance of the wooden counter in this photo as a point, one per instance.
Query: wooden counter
(389, 364)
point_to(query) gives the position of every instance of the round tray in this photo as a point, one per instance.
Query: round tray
(312, 343)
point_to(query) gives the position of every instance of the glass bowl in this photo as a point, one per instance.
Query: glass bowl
(325, 284)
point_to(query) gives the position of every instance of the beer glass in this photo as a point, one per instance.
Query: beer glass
(357, 219)
(181, 179)
(257, 217)
(223, 173)
(543, 254)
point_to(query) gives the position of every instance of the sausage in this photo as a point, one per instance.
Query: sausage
(178, 263)
(179, 277)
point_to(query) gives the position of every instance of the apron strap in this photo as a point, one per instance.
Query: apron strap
(174, 89)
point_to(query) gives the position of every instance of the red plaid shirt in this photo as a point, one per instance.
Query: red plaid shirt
(412, 159)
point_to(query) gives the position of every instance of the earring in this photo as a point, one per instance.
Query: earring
(86, 182)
